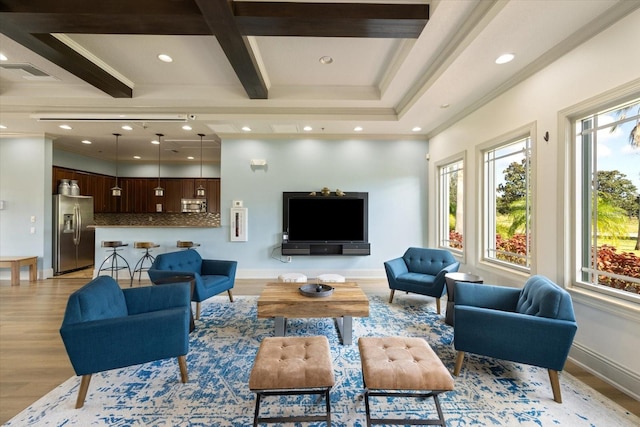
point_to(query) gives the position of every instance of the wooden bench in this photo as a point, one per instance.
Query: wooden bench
(15, 262)
(402, 367)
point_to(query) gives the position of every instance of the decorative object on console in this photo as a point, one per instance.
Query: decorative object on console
(325, 191)
(339, 192)
(421, 271)
(534, 325)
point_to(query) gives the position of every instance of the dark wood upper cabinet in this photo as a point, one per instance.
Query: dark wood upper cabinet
(138, 193)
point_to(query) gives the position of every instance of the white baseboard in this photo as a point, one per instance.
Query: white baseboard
(273, 274)
(607, 370)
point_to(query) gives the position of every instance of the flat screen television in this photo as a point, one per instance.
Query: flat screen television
(330, 219)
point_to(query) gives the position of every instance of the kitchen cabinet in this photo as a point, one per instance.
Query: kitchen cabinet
(138, 193)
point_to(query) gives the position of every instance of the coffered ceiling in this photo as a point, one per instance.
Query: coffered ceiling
(387, 66)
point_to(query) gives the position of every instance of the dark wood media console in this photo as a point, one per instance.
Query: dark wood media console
(326, 248)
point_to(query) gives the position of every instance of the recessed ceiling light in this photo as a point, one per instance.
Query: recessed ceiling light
(190, 157)
(127, 127)
(67, 127)
(3, 127)
(155, 141)
(165, 58)
(86, 141)
(445, 106)
(136, 157)
(246, 128)
(416, 129)
(187, 127)
(3, 57)
(503, 59)
(325, 60)
(358, 128)
(307, 128)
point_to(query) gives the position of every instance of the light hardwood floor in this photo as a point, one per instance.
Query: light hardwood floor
(33, 360)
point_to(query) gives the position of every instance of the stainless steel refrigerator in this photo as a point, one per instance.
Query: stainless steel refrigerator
(73, 241)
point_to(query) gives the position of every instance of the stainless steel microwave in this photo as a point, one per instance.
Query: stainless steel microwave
(194, 205)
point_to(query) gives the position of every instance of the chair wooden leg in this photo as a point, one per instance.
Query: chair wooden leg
(555, 385)
(82, 392)
(184, 374)
(393, 291)
(230, 295)
(197, 311)
(459, 360)
(438, 305)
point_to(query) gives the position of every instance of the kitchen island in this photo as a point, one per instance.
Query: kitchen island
(164, 229)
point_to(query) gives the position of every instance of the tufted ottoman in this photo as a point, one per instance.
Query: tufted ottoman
(403, 367)
(292, 277)
(292, 366)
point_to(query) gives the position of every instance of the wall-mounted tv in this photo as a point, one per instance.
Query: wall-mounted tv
(328, 219)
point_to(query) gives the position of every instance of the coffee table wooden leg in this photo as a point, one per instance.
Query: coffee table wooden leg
(281, 326)
(344, 325)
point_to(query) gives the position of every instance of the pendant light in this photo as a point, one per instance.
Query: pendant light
(116, 191)
(159, 191)
(200, 190)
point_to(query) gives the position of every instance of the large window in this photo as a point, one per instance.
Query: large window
(507, 203)
(451, 205)
(608, 200)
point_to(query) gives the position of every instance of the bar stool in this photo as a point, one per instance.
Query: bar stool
(187, 244)
(139, 268)
(114, 246)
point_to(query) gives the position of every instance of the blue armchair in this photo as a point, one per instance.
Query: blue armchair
(421, 271)
(534, 325)
(211, 276)
(105, 327)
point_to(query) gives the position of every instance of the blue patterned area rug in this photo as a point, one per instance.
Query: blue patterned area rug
(488, 392)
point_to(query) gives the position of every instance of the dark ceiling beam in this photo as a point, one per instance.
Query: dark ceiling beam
(30, 23)
(62, 55)
(219, 17)
(331, 19)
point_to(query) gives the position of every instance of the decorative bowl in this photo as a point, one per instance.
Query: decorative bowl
(316, 290)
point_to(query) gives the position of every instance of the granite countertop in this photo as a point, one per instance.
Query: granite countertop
(168, 220)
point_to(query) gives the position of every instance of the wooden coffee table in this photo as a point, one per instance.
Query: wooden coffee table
(284, 301)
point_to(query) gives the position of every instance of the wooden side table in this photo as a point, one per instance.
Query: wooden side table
(450, 280)
(181, 279)
(15, 262)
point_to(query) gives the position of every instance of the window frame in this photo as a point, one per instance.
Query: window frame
(526, 131)
(575, 180)
(442, 216)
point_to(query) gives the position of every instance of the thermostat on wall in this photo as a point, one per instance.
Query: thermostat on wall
(237, 203)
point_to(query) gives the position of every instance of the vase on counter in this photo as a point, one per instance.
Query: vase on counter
(75, 189)
(64, 188)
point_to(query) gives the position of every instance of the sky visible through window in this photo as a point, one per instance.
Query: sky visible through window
(615, 152)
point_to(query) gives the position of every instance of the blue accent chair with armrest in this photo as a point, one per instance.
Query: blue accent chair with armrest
(421, 271)
(534, 325)
(211, 276)
(106, 327)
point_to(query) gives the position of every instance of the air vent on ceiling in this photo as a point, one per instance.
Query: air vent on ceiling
(285, 128)
(29, 71)
(96, 117)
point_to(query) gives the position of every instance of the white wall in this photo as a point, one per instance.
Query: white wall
(25, 182)
(393, 172)
(607, 341)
